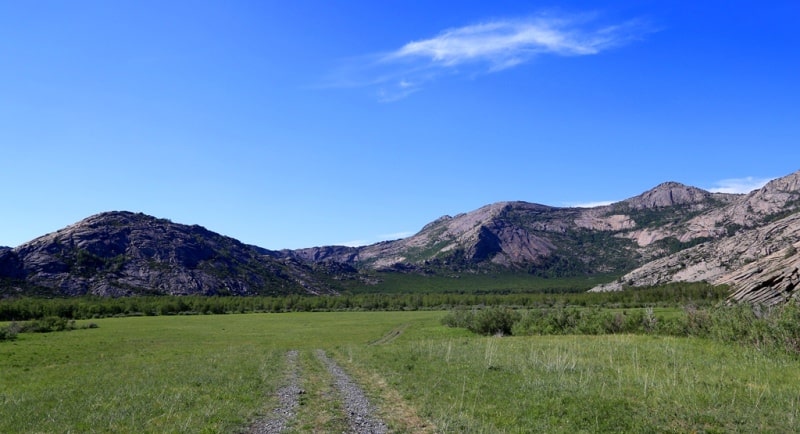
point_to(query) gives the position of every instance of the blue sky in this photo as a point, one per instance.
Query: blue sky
(303, 123)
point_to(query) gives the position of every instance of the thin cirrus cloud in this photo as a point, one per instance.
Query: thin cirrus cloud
(483, 48)
(381, 237)
(739, 185)
(590, 204)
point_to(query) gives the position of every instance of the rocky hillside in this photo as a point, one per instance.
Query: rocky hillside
(122, 253)
(670, 233)
(544, 240)
(751, 245)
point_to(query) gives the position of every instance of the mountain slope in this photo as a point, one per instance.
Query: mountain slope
(670, 233)
(542, 239)
(755, 250)
(122, 253)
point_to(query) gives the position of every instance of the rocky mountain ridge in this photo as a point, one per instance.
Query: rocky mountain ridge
(752, 247)
(672, 232)
(525, 235)
(122, 253)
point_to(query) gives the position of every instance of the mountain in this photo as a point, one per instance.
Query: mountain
(122, 253)
(753, 248)
(544, 240)
(670, 233)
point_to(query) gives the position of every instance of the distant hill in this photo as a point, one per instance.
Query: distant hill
(670, 233)
(122, 253)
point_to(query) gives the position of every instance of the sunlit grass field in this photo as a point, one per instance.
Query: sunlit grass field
(215, 373)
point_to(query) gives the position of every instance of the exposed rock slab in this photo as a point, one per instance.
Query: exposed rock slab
(754, 251)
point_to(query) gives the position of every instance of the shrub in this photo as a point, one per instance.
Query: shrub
(489, 321)
(787, 326)
(530, 323)
(45, 325)
(7, 333)
(494, 320)
(698, 322)
(769, 329)
(460, 318)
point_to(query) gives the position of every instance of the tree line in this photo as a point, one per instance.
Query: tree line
(88, 307)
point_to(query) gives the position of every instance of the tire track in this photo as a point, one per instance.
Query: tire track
(391, 335)
(288, 400)
(360, 413)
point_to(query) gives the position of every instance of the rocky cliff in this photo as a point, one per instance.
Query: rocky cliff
(750, 243)
(122, 253)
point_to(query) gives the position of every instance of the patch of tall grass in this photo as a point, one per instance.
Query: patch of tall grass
(582, 383)
(773, 328)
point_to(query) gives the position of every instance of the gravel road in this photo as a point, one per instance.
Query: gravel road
(288, 400)
(360, 413)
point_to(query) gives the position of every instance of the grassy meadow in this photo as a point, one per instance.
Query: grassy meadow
(216, 373)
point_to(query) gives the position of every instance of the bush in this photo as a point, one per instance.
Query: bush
(595, 321)
(489, 321)
(494, 321)
(7, 333)
(458, 318)
(769, 329)
(46, 325)
(787, 326)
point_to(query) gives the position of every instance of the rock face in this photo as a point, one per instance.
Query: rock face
(122, 253)
(542, 239)
(750, 243)
(10, 265)
(669, 194)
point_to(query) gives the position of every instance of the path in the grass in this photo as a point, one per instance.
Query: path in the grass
(391, 336)
(360, 413)
(288, 400)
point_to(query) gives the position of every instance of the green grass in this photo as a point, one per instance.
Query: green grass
(618, 383)
(216, 373)
(462, 282)
(163, 374)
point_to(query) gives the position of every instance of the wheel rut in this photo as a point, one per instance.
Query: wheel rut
(391, 335)
(360, 413)
(357, 409)
(288, 400)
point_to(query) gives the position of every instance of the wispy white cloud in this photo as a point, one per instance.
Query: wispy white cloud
(482, 48)
(590, 204)
(503, 44)
(396, 235)
(353, 243)
(378, 238)
(739, 185)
